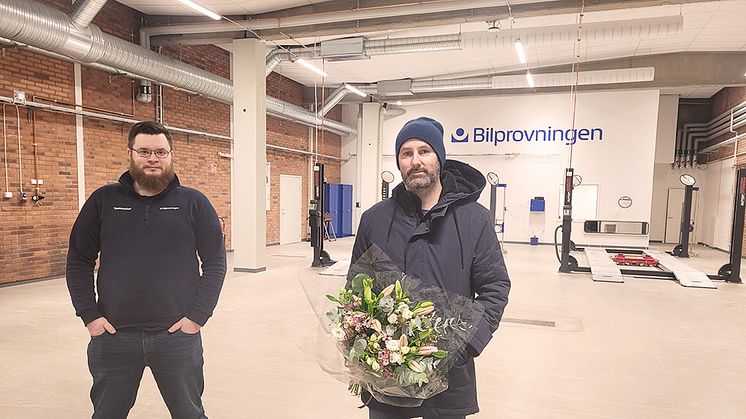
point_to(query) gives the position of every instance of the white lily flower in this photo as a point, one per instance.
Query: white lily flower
(396, 358)
(338, 333)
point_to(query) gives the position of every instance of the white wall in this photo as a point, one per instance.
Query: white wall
(666, 178)
(621, 163)
(665, 137)
(717, 206)
(349, 150)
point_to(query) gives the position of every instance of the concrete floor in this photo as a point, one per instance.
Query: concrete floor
(642, 349)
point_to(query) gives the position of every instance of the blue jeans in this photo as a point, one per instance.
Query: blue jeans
(117, 363)
(377, 414)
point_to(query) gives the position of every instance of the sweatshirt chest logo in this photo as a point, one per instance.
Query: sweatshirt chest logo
(122, 208)
(169, 208)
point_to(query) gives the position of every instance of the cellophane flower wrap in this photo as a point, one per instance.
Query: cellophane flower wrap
(393, 335)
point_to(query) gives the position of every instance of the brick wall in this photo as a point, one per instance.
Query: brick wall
(290, 134)
(33, 238)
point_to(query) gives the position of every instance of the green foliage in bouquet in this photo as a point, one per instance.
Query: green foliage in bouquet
(387, 335)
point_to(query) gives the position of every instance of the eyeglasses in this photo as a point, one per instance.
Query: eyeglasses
(161, 153)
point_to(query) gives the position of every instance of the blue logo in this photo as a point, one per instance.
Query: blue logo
(496, 136)
(460, 136)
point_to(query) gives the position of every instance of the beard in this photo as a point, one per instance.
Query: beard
(152, 182)
(420, 183)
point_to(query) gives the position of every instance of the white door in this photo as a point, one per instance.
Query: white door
(673, 215)
(291, 194)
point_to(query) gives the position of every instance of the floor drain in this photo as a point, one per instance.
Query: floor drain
(530, 322)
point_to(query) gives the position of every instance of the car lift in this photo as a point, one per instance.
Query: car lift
(315, 219)
(682, 249)
(604, 269)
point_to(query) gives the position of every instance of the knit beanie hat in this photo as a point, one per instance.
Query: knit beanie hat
(427, 130)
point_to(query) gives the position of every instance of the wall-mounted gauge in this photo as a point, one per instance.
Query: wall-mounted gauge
(625, 202)
(687, 179)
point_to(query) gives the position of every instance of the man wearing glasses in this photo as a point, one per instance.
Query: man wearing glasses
(162, 265)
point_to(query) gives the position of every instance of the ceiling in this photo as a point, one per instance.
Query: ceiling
(707, 26)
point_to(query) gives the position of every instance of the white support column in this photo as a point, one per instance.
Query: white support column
(249, 155)
(79, 147)
(368, 152)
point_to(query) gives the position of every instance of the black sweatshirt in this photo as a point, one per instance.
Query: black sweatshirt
(149, 273)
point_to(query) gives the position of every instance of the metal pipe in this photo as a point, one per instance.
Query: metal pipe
(737, 119)
(20, 159)
(337, 95)
(370, 48)
(278, 107)
(46, 28)
(5, 153)
(63, 109)
(84, 11)
(306, 153)
(55, 108)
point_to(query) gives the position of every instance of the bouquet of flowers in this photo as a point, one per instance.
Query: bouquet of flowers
(396, 337)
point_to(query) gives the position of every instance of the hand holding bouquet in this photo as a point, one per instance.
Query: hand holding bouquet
(386, 335)
(390, 334)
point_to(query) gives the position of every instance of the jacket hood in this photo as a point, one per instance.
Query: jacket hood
(460, 182)
(129, 183)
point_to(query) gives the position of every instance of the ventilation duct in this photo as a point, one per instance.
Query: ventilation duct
(361, 48)
(84, 11)
(618, 30)
(44, 27)
(277, 107)
(337, 95)
(354, 14)
(408, 87)
(51, 32)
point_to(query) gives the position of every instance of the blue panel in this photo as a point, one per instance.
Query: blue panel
(331, 204)
(537, 205)
(346, 208)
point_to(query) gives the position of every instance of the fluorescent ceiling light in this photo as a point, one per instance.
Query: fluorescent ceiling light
(355, 90)
(200, 9)
(520, 51)
(311, 67)
(530, 80)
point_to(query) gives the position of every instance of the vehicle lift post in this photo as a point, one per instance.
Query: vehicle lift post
(731, 272)
(567, 262)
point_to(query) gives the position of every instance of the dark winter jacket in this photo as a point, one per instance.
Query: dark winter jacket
(454, 247)
(149, 274)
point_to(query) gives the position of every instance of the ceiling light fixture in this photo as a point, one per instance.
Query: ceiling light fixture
(530, 79)
(355, 90)
(520, 51)
(200, 9)
(495, 25)
(311, 67)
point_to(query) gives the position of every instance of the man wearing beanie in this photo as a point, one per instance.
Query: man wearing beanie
(433, 229)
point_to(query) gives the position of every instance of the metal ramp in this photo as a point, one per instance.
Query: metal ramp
(603, 269)
(685, 274)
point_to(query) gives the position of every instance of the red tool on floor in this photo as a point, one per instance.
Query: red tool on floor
(622, 259)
